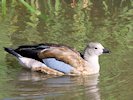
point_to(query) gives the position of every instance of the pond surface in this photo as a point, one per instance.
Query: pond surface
(73, 23)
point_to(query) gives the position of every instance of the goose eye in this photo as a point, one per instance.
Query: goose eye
(95, 48)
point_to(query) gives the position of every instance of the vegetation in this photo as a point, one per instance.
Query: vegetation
(71, 22)
(73, 18)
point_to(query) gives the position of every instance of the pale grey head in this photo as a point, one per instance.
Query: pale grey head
(95, 49)
(91, 55)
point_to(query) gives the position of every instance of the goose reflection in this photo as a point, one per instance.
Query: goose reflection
(65, 87)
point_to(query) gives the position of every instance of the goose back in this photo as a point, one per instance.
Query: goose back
(59, 52)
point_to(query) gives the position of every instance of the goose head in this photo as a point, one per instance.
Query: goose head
(95, 49)
(91, 55)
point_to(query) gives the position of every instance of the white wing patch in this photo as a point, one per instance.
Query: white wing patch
(37, 66)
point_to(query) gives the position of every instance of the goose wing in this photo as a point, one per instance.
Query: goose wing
(64, 54)
(59, 57)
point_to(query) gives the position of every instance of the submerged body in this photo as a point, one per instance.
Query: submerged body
(59, 59)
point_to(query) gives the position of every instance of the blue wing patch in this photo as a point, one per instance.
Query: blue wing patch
(58, 65)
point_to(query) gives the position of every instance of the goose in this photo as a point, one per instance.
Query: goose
(58, 59)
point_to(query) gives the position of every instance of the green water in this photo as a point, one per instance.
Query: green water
(109, 22)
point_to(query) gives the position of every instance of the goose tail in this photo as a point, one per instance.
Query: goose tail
(12, 51)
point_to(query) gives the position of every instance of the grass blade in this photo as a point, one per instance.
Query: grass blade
(4, 7)
(30, 8)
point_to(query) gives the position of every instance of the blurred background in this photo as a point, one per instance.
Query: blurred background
(73, 23)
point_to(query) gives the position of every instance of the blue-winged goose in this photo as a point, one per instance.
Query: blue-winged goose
(59, 59)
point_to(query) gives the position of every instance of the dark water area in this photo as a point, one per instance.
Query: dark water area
(73, 23)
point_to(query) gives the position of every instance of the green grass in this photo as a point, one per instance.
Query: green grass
(3, 5)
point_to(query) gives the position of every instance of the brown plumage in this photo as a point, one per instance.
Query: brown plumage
(86, 65)
(63, 53)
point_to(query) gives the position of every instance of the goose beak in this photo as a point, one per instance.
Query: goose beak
(106, 51)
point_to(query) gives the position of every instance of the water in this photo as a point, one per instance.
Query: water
(73, 24)
(34, 86)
